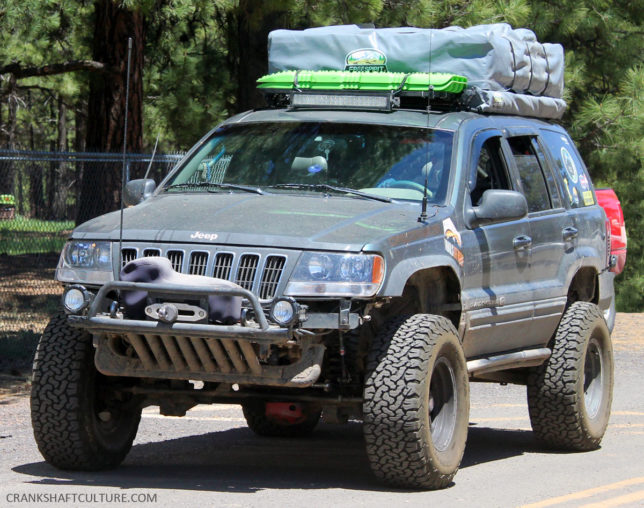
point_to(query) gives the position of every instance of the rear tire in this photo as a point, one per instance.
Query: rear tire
(77, 423)
(262, 425)
(416, 403)
(570, 395)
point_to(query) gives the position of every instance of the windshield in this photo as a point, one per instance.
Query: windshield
(375, 161)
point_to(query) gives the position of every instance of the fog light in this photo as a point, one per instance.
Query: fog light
(284, 311)
(75, 299)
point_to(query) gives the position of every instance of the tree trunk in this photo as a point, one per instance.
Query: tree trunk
(101, 186)
(248, 30)
(36, 170)
(58, 186)
(80, 128)
(7, 171)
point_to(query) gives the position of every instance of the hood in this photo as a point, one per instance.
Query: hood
(287, 221)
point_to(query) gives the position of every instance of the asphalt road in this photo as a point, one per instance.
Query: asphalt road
(209, 458)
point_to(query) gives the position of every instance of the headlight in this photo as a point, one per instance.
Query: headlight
(85, 261)
(322, 274)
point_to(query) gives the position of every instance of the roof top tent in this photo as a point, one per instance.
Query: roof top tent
(508, 71)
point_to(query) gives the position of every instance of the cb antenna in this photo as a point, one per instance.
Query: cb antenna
(127, 104)
(427, 167)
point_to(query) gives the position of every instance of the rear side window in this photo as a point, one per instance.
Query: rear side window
(569, 167)
(530, 172)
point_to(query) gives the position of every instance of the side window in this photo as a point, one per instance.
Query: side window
(530, 173)
(570, 169)
(491, 172)
(555, 196)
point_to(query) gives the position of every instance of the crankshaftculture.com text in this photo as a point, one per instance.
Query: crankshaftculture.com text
(72, 498)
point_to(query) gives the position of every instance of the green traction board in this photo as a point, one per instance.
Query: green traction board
(362, 81)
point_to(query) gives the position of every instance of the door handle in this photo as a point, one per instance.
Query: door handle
(521, 242)
(569, 233)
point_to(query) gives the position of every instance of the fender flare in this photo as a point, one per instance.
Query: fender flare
(398, 276)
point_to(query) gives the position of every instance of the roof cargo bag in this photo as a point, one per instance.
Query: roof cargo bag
(492, 57)
(507, 103)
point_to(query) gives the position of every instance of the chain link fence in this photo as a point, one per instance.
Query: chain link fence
(40, 193)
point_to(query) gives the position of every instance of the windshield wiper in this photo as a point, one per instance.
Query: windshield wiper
(208, 185)
(332, 188)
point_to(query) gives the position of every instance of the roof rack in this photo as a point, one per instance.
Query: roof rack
(386, 91)
(381, 91)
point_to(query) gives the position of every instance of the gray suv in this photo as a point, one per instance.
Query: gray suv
(343, 263)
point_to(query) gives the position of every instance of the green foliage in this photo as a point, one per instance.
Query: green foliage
(610, 130)
(36, 33)
(335, 12)
(186, 79)
(22, 235)
(440, 14)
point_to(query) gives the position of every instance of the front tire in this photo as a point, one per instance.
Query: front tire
(78, 425)
(570, 395)
(416, 403)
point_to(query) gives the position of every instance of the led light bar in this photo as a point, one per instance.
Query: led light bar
(343, 101)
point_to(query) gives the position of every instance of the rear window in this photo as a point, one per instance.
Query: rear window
(576, 182)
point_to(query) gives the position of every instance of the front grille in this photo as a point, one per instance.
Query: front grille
(246, 271)
(198, 262)
(223, 264)
(176, 258)
(271, 276)
(242, 269)
(127, 255)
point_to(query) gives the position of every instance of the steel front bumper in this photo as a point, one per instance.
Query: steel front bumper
(197, 351)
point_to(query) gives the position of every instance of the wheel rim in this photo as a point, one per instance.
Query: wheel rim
(593, 378)
(111, 423)
(443, 404)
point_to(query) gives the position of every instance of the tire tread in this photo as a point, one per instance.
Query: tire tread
(554, 402)
(393, 422)
(57, 418)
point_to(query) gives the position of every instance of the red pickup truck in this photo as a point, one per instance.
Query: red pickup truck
(609, 202)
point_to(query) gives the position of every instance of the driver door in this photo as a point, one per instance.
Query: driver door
(496, 298)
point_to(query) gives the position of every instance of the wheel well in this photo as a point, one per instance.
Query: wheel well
(584, 286)
(433, 291)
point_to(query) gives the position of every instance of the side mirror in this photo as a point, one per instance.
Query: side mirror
(499, 206)
(137, 191)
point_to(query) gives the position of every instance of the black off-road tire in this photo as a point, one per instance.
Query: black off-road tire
(260, 424)
(570, 395)
(67, 396)
(416, 402)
